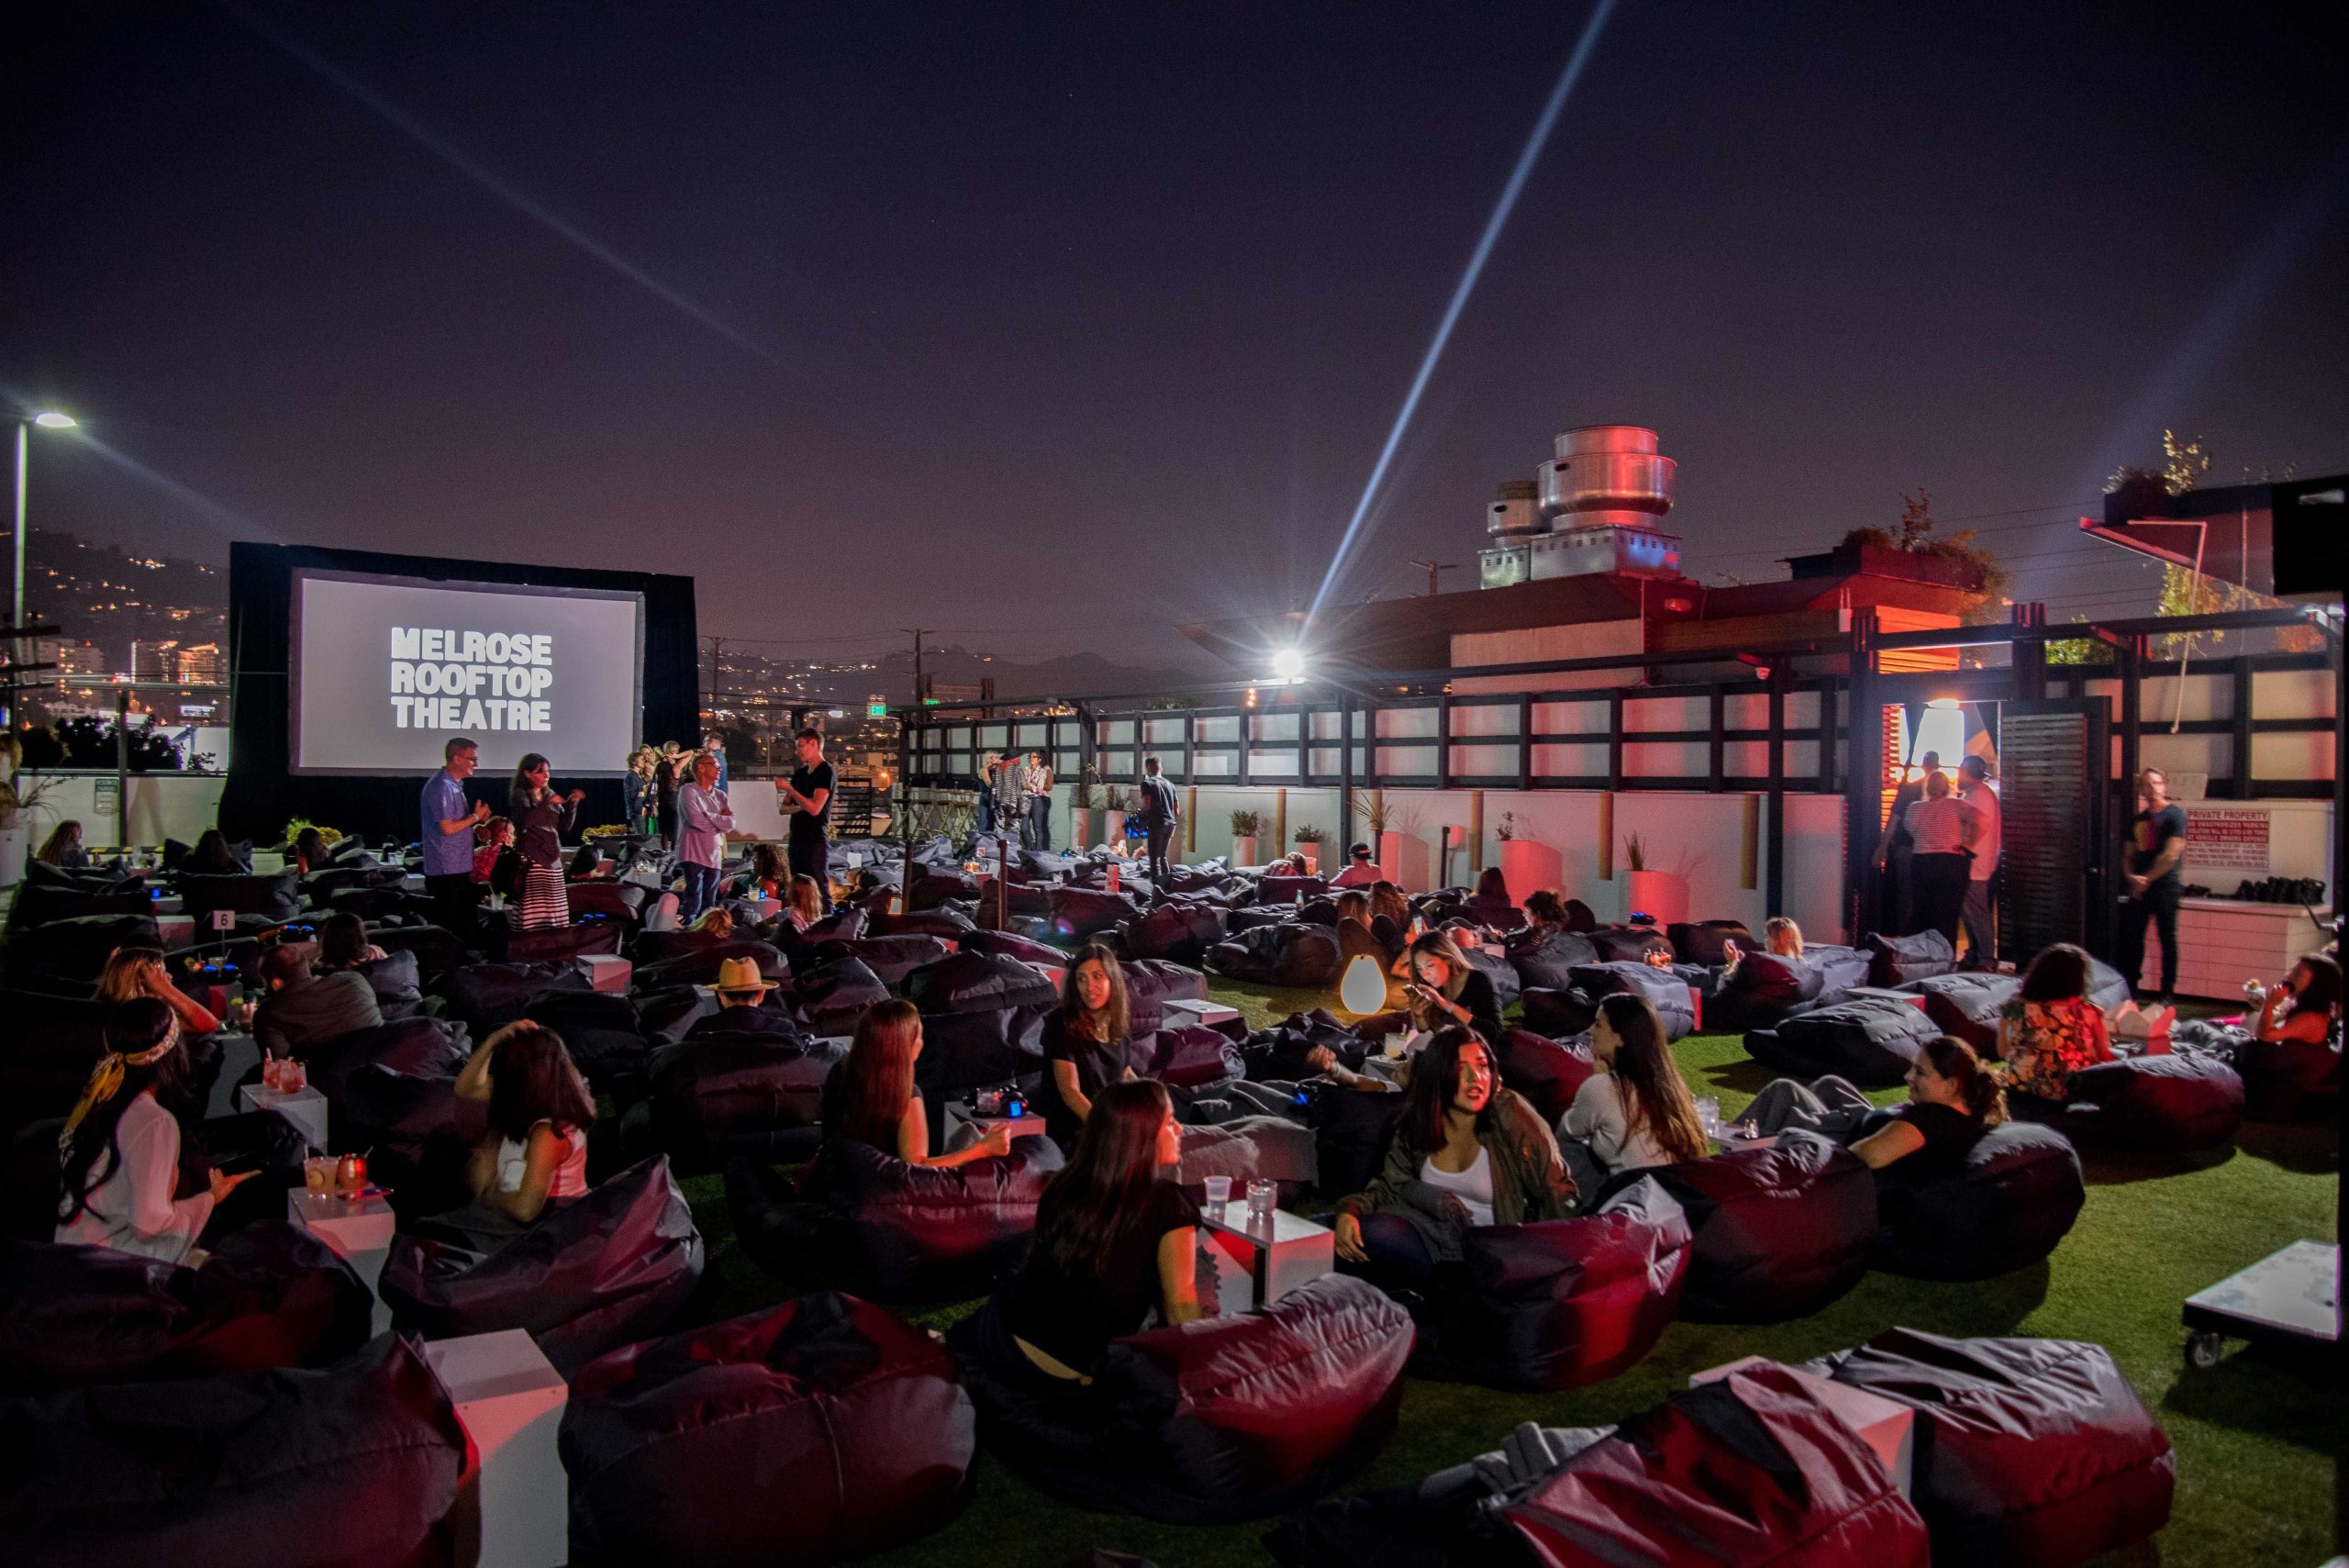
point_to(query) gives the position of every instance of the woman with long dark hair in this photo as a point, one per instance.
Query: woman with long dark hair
(1465, 1152)
(1445, 989)
(1088, 1044)
(1113, 1243)
(2304, 1007)
(536, 1151)
(343, 943)
(541, 819)
(1636, 1111)
(212, 856)
(1954, 1099)
(870, 1097)
(120, 1149)
(2050, 1030)
(63, 846)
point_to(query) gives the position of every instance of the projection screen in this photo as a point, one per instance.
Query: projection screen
(386, 669)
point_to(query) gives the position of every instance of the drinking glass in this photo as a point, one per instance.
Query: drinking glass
(990, 1102)
(1709, 1115)
(1261, 1193)
(1218, 1191)
(318, 1175)
(292, 1077)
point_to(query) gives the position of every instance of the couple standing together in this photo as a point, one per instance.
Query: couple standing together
(705, 819)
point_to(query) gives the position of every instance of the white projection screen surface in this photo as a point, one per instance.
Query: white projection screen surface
(386, 669)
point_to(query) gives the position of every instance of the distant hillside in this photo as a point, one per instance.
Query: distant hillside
(1068, 674)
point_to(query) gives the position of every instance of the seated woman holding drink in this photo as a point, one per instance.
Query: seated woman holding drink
(870, 1096)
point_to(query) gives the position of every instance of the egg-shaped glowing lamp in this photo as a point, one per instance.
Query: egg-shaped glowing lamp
(1363, 989)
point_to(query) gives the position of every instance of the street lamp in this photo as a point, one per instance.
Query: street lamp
(47, 421)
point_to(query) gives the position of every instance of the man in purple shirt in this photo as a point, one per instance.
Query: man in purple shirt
(447, 839)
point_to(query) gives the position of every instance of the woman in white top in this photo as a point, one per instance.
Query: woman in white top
(120, 1149)
(1635, 1111)
(539, 1110)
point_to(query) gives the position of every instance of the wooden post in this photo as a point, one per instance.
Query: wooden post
(1280, 826)
(1475, 831)
(1607, 835)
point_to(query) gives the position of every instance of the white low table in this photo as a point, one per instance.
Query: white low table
(358, 1229)
(1205, 1014)
(606, 972)
(1885, 1425)
(170, 903)
(510, 1401)
(305, 1108)
(1256, 1265)
(175, 931)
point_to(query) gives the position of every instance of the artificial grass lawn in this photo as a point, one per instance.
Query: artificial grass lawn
(2259, 1439)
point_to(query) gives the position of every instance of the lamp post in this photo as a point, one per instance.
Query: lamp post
(25, 423)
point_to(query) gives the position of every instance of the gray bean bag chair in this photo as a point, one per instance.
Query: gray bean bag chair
(1665, 990)
(1151, 984)
(1290, 953)
(1895, 960)
(1547, 958)
(1869, 1039)
(978, 982)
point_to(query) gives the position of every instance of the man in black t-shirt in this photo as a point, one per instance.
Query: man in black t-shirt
(1158, 814)
(2156, 846)
(810, 789)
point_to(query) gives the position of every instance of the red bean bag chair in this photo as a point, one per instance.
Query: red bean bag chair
(1565, 1302)
(871, 1224)
(979, 983)
(1010, 944)
(1081, 912)
(2034, 1452)
(1751, 1469)
(353, 1464)
(2289, 1080)
(823, 1430)
(1181, 929)
(272, 1295)
(612, 1266)
(1188, 1058)
(1545, 1071)
(1152, 983)
(1869, 1039)
(2016, 1197)
(1219, 1420)
(1702, 942)
(717, 1097)
(1780, 1231)
(2163, 1104)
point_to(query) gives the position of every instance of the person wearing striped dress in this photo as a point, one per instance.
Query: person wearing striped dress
(541, 819)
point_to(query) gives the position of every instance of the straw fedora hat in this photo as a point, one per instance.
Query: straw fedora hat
(742, 974)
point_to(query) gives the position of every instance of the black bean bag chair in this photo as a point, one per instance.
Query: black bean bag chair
(1279, 889)
(262, 1143)
(604, 1033)
(71, 952)
(1290, 953)
(585, 937)
(1188, 1058)
(1869, 1039)
(379, 905)
(1702, 941)
(823, 1430)
(1562, 1303)
(1548, 1073)
(1080, 912)
(978, 982)
(1839, 968)
(963, 1052)
(319, 887)
(950, 924)
(1010, 944)
(1561, 1015)
(276, 895)
(1493, 914)
(1547, 958)
(1351, 1134)
(1223, 1420)
(1760, 993)
(272, 1295)
(487, 996)
(711, 1098)
(1506, 987)
(397, 981)
(2034, 1452)
(699, 966)
(353, 1464)
(32, 1189)
(427, 1047)
(2015, 1198)
(419, 1137)
(612, 1266)
(1665, 990)
(893, 958)
(1279, 1053)
(1628, 944)
(1152, 983)
(438, 949)
(1181, 929)
(46, 902)
(2289, 1080)
(658, 947)
(1780, 1231)
(1895, 960)
(934, 885)
(602, 898)
(1753, 1468)
(1965, 1005)
(2163, 1104)
(870, 1224)
(1251, 918)
(831, 996)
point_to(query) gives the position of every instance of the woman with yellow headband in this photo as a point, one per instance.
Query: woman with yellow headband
(120, 1149)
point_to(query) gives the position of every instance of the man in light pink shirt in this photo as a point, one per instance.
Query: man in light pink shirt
(1360, 873)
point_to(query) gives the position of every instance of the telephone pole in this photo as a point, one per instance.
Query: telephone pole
(916, 633)
(1433, 568)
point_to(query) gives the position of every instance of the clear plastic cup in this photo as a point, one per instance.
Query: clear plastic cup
(1218, 1191)
(1709, 1115)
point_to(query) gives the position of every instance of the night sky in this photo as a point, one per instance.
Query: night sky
(1050, 327)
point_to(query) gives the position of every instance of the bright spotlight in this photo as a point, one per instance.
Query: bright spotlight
(1289, 665)
(54, 421)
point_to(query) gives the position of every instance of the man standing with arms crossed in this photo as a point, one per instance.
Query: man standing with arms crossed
(1981, 932)
(810, 789)
(1158, 814)
(2157, 845)
(448, 839)
(705, 817)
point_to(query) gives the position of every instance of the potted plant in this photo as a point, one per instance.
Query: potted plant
(1245, 826)
(1660, 893)
(1387, 823)
(1084, 799)
(1527, 865)
(18, 801)
(1114, 822)
(1309, 840)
